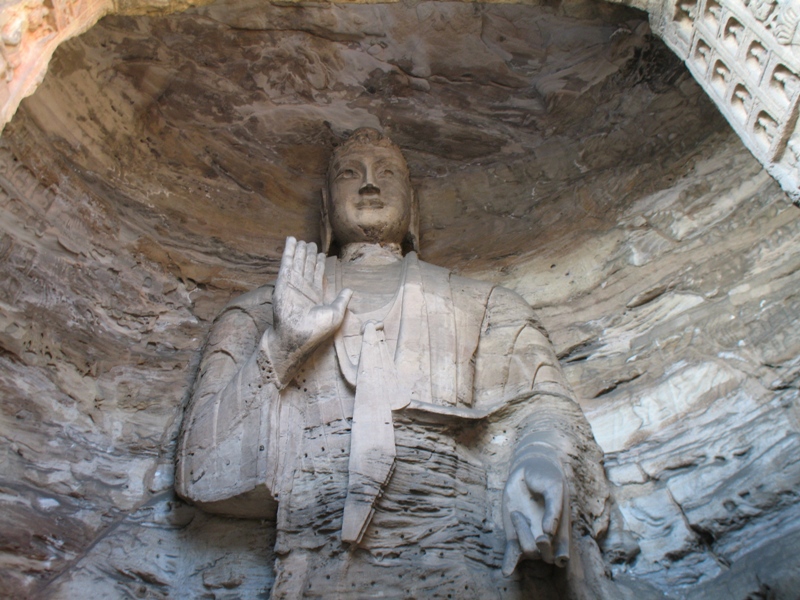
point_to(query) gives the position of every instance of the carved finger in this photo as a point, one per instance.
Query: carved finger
(299, 259)
(553, 501)
(512, 556)
(340, 304)
(310, 267)
(545, 547)
(561, 554)
(288, 257)
(522, 526)
(319, 271)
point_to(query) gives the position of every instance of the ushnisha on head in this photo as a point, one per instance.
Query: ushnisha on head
(369, 198)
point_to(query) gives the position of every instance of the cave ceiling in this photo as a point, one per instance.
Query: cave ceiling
(207, 133)
(558, 148)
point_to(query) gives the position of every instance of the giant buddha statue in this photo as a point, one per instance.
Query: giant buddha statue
(409, 430)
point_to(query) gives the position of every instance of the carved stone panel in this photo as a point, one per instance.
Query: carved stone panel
(746, 55)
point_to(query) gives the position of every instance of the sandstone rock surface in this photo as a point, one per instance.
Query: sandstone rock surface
(561, 151)
(746, 55)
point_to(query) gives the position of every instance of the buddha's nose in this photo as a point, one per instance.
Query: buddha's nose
(369, 188)
(368, 184)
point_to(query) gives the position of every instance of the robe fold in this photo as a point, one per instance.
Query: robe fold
(480, 374)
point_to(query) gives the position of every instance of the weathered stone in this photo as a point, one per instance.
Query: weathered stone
(157, 170)
(709, 36)
(317, 397)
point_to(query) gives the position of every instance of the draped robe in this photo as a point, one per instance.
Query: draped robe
(481, 373)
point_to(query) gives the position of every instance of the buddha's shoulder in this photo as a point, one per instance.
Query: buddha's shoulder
(459, 285)
(485, 292)
(254, 301)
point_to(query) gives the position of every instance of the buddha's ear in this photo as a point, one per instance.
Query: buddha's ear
(412, 237)
(325, 230)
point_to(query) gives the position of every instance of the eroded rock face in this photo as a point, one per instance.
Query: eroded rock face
(691, 377)
(558, 150)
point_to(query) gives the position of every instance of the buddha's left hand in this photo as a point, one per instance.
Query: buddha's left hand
(536, 513)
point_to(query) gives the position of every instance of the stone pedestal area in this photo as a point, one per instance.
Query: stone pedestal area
(562, 151)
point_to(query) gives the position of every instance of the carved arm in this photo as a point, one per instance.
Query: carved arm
(225, 446)
(555, 469)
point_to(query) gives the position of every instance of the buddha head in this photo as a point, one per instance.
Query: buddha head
(369, 198)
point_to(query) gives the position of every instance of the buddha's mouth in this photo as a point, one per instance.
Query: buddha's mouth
(370, 203)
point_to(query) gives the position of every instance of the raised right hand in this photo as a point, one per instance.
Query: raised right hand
(301, 320)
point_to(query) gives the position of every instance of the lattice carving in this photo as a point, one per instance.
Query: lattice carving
(765, 129)
(703, 53)
(720, 77)
(733, 34)
(741, 102)
(713, 14)
(756, 58)
(684, 15)
(746, 54)
(785, 82)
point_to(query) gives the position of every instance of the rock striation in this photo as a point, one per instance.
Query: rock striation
(746, 55)
(562, 151)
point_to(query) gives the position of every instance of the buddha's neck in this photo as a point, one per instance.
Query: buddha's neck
(373, 272)
(370, 255)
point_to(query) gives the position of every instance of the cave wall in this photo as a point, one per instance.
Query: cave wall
(745, 55)
(561, 150)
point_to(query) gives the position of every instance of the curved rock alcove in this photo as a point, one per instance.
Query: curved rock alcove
(559, 149)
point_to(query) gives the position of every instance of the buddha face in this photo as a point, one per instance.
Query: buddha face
(370, 196)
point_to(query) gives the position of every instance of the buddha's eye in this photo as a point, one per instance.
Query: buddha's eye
(347, 174)
(387, 173)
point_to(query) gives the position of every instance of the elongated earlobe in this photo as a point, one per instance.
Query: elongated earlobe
(325, 230)
(412, 237)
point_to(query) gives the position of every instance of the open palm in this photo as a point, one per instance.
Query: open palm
(301, 318)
